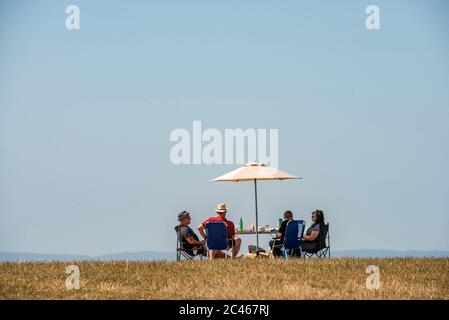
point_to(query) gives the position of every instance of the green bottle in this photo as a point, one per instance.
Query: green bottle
(279, 223)
(241, 225)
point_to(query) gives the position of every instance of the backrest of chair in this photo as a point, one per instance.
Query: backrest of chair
(178, 236)
(303, 228)
(324, 229)
(217, 236)
(293, 234)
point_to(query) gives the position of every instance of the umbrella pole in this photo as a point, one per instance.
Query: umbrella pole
(257, 219)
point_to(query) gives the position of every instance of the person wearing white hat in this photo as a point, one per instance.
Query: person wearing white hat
(234, 241)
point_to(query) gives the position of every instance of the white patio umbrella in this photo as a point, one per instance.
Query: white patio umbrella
(252, 172)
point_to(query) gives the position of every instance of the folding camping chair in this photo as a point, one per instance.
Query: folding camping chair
(292, 238)
(324, 246)
(183, 253)
(217, 238)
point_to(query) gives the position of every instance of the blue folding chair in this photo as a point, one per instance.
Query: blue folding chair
(217, 237)
(292, 239)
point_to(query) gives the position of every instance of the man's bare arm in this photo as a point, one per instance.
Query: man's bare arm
(192, 240)
(201, 230)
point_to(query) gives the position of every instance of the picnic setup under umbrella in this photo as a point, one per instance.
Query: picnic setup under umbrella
(254, 171)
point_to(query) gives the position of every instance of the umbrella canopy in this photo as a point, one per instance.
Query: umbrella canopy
(255, 171)
(252, 172)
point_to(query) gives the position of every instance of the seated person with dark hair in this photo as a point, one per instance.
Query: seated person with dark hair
(311, 240)
(188, 239)
(279, 240)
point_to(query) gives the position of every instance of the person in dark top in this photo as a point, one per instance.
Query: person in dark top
(188, 239)
(311, 240)
(277, 252)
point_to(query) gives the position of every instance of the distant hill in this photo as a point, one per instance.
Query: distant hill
(15, 256)
(154, 255)
(135, 256)
(373, 253)
(139, 255)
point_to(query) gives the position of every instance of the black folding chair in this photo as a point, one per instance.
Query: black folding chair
(183, 253)
(324, 246)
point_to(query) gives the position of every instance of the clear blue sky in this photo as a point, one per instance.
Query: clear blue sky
(86, 115)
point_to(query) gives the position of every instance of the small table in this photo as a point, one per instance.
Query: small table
(254, 232)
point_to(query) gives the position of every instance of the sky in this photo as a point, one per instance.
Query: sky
(86, 117)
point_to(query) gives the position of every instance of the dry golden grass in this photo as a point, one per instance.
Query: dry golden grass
(229, 279)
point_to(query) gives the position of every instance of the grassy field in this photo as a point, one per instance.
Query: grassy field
(231, 279)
